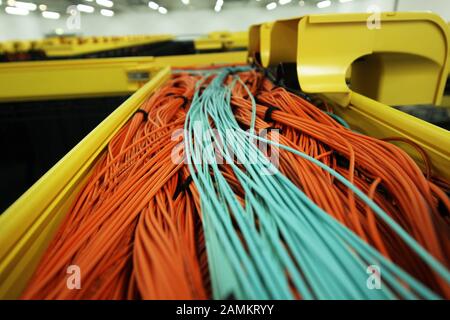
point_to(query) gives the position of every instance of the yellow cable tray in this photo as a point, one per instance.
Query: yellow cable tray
(405, 61)
(67, 47)
(222, 40)
(29, 224)
(92, 77)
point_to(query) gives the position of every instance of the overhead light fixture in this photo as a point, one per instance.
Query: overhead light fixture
(85, 8)
(218, 6)
(283, 2)
(11, 3)
(185, 2)
(271, 6)
(105, 3)
(25, 5)
(323, 4)
(16, 11)
(51, 15)
(162, 10)
(42, 7)
(345, 1)
(153, 5)
(107, 13)
(301, 3)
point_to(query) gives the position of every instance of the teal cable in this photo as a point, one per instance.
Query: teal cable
(274, 202)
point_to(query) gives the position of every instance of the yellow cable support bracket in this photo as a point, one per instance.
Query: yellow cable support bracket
(402, 60)
(222, 40)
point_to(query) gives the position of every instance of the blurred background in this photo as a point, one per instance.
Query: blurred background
(37, 19)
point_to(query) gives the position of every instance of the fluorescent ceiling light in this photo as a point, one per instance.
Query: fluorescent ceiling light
(50, 15)
(283, 2)
(162, 10)
(25, 5)
(153, 5)
(218, 6)
(323, 4)
(85, 8)
(105, 3)
(271, 6)
(16, 11)
(186, 2)
(107, 13)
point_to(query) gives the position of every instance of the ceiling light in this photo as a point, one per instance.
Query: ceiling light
(25, 5)
(11, 3)
(85, 8)
(271, 6)
(16, 11)
(283, 2)
(345, 1)
(153, 5)
(42, 7)
(51, 15)
(323, 4)
(105, 3)
(162, 10)
(185, 2)
(301, 3)
(107, 13)
(218, 6)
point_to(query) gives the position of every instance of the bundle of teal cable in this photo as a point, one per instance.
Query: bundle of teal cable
(273, 242)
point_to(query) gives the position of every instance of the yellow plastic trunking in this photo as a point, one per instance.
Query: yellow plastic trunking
(29, 224)
(222, 40)
(65, 79)
(68, 47)
(57, 47)
(405, 61)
